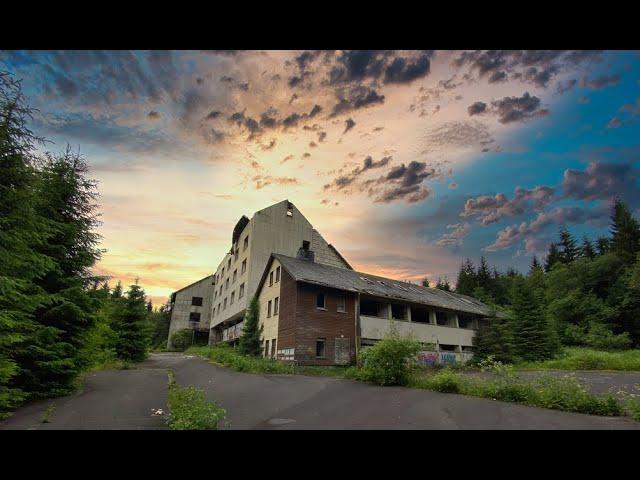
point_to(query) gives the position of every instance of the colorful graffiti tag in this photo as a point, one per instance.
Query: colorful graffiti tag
(429, 359)
(447, 358)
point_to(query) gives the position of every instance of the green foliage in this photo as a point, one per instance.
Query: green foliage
(190, 410)
(250, 340)
(133, 336)
(443, 381)
(573, 358)
(625, 233)
(181, 339)
(569, 250)
(467, 280)
(232, 357)
(160, 321)
(494, 338)
(389, 361)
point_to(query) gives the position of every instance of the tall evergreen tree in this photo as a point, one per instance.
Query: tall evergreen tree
(467, 280)
(569, 251)
(533, 338)
(251, 339)
(603, 245)
(52, 360)
(425, 282)
(22, 232)
(131, 327)
(535, 265)
(483, 276)
(587, 248)
(553, 257)
(625, 233)
(495, 338)
(117, 291)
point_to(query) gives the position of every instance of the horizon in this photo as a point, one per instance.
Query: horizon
(408, 162)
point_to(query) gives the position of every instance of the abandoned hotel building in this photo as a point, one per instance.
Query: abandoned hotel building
(314, 308)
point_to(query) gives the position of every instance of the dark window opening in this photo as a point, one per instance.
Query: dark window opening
(399, 312)
(277, 274)
(276, 302)
(194, 317)
(447, 348)
(270, 278)
(269, 308)
(342, 303)
(305, 244)
(197, 301)
(266, 348)
(371, 308)
(273, 348)
(320, 302)
(320, 343)
(441, 318)
(420, 315)
(465, 321)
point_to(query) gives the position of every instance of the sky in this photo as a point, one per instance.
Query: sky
(406, 161)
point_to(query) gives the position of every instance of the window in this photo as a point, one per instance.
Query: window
(197, 301)
(235, 255)
(246, 243)
(320, 301)
(215, 294)
(398, 312)
(244, 266)
(233, 296)
(273, 348)
(342, 303)
(194, 317)
(320, 342)
(441, 318)
(276, 303)
(218, 308)
(271, 278)
(277, 274)
(241, 292)
(222, 272)
(226, 284)
(229, 264)
(269, 309)
(220, 290)
(235, 275)
(266, 348)
(224, 305)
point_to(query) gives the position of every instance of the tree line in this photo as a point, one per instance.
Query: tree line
(56, 318)
(581, 294)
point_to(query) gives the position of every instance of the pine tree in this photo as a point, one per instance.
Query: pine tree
(251, 339)
(625, 233)
(533, 338)
(22, 231)
(149, 306)
(603, 244)
(445, 286)
(553, 257)
(131, 327)
(587, 248)
(535, 265)
(467, 280)
(117, 291)
(483, 277)
(425, 282)
(494, 337)
(569, 251)
(65, 315)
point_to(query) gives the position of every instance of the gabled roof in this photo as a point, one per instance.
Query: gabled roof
(364, 283)
(192, 284)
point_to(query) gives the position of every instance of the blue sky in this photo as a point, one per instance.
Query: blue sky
(407, 161)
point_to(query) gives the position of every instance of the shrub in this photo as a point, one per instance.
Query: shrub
(601, 337)
(389, 361)
(181, 340)
(589, 359)
(190, 410)
(231, 357)
(443, 381)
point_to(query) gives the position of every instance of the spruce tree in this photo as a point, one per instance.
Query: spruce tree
(533, 338)
(535, 265)
(131, 327)
(553, 257)
(494, 337)
(603, 245)
(569, 251)
(625, 233)
(117, 291)
(251, 339)
(587, 248)
(425, 282)
(483, 277)
(467, 280)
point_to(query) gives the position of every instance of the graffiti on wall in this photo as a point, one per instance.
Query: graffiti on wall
(447, 358)
(429, 359)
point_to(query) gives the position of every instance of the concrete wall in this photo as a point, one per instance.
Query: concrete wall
(375, 328)
(182, 306)
(268, 294)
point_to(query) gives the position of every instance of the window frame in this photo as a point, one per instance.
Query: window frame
(341, 299)
(323, 342)
(193, 302)
(324, 301)
(277, 274)
(276, 306)
(269, 309)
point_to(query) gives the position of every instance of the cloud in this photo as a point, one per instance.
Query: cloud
(461, 134)
(153, 115)
(603, 181)
(356, 98)
(402, 70)
(490, 209)
(517, 109)
(368, 164)
(455, 236)
(349, 124)
(600, 82)
(262, 181)
(405, 184)
(477, 108)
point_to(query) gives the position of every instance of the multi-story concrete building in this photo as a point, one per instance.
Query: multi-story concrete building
(280, 228)
(317, 314)
(191, 307)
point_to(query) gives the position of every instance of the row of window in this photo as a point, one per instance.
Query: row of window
(277, 271)
(276, 306)
(243, 269)
(223, 305)
(270, 353)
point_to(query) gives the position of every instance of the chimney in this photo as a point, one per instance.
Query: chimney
(304, 253)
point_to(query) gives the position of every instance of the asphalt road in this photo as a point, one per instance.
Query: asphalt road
(126, 399)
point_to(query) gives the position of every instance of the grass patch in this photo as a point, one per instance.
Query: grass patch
(588, 359)
(229, 357)
(566, 394)
(190, 410)
(46, 416)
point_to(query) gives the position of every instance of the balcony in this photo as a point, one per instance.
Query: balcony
(375, 328)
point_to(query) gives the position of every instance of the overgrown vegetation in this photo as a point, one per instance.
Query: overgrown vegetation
(579, 358)
(189, 409)
(182, 339)
(250, 341)
(566, 393)
(57, 319)
(586, 295)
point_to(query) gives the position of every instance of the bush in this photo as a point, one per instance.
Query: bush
(601, 337)
(443, 381)
(389, 361)
(190, 410)
(231, 357)
(589, 359)
(181, 340)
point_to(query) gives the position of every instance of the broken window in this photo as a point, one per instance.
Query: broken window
(273, 348)
(441, 318)
(342, 303)
(447, 348)
(420, 315)
(320, 303)
(465, 321)
(197, 301)
(320, 344)
(266, 348)
(194, 317)
(371, 308)
(398, 312)
(246, 243)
